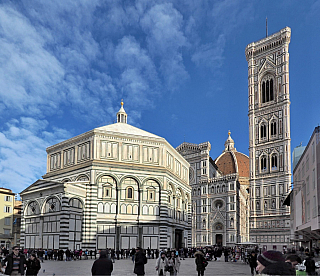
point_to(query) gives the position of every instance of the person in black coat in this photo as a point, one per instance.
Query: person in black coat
(7, 263)
(33, 265)
(140, 260)
(102, 266)
(253, 262)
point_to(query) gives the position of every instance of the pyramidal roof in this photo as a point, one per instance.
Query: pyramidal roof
(127, 129)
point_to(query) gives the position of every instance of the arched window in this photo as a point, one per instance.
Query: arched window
(130, 193)
(258, 205)
(204, 224)
(263, 131)
(263, 164)
(274, 162)
(52, 205)
(265, 205)
(75, 202)
(33, 209)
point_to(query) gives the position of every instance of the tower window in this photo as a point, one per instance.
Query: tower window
(274, 162)
(273, 128)
(263, 131)
(267, 91)
(263, 164)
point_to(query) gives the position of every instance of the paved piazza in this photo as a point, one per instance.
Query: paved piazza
(125, 267)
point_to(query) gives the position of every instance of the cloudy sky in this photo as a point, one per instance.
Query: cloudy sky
(178, 65)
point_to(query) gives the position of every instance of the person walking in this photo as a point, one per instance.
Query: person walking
(33, 265)
(253, 262)
(162, 264)
(14, 263)
(174, 262)
(201, 263)
(102, 266)
(140, 260)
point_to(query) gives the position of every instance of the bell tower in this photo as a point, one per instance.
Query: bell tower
(269, 139)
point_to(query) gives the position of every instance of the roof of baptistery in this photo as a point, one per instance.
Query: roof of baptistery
(127, 130)
(231, 161)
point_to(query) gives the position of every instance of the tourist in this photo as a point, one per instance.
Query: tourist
(253, 262)
(140, 260)
(14, 263)
(272, 263)
(174, 262)
(162, 264)
(102, 266)
(33, 265)
(201, 263)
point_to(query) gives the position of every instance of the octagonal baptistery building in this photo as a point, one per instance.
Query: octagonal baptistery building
(116, 186)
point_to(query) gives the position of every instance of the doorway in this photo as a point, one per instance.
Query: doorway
(178, 239)
(219, 239)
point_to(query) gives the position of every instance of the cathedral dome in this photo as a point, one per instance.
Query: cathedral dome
(231, 161)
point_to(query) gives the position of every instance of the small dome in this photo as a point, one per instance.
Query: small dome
(231, 161)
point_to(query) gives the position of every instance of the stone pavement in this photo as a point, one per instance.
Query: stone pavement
(125, 267)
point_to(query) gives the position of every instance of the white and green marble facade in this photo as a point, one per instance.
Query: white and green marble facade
(116, 186)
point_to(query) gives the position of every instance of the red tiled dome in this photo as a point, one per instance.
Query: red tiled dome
(233, 162)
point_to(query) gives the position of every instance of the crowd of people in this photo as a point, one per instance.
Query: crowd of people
(167, 262)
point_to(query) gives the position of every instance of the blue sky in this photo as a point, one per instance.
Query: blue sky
(179, 66)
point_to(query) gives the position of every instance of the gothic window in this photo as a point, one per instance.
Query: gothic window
(223, 188)
(265, 205)
(267, 94)
(263, 164)
(218, 189)
(274, 162)
(273, 203)
(258, 205)
(199, 191)
(212, 189)
(130, 193)
(273, 128)
(204, 224)
(263, 131)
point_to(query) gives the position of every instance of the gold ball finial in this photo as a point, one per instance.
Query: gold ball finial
(229, 132)
(121, 102)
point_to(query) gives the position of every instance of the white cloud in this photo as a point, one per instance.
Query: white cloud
(22, 151)
(210, 54)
